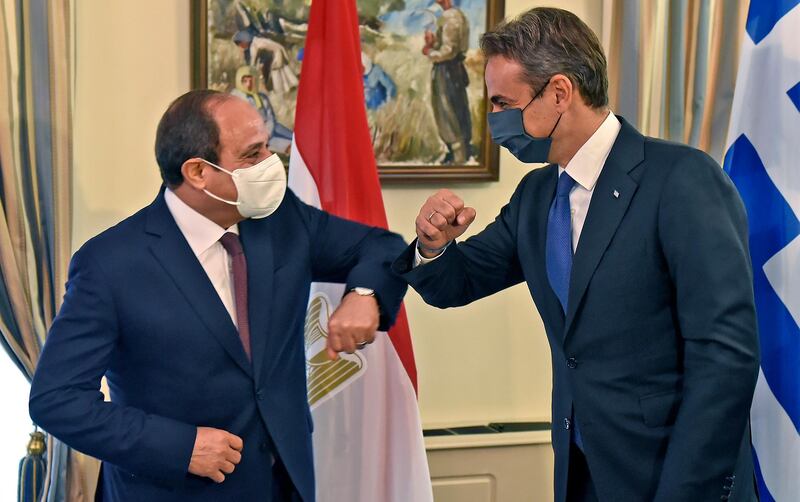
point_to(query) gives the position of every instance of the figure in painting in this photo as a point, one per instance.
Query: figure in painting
(449, 80)
(280, 136)
(378, 85)
(259, 38)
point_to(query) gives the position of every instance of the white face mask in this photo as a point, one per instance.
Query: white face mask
(261, 187)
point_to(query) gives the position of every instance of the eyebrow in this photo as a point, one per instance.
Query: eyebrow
(252, 148)
(497, 99)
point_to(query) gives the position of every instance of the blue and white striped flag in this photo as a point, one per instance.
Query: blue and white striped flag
(763, 159)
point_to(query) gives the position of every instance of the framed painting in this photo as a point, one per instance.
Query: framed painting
(423, 72)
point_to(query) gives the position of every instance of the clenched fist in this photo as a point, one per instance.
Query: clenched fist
(442, 218)
(353, 324)
(216, 453)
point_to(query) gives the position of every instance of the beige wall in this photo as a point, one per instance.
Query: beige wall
(485, 362)
(132, 59)
(511, 467)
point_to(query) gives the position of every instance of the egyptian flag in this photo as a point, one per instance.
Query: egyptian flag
(368, 443)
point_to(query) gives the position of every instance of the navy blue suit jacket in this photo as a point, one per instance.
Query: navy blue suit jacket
(658, 352)
(140, 309)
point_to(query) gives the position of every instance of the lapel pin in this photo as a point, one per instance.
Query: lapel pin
(616, 194)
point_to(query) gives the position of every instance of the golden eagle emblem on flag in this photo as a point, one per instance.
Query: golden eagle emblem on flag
(325, 377)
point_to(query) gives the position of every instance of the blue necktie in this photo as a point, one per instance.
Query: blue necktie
(558, 251)
(558, 254)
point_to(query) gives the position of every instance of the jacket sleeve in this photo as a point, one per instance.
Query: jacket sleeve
(357, 255)
(478, 267)
(65, 398)
(703, 233)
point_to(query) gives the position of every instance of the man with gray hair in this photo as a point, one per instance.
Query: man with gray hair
(635, 252)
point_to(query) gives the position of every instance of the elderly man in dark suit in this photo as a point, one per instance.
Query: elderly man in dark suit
(194, 307)
(635, 254)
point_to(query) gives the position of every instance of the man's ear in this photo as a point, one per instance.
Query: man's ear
(193, 171)
(563, 90)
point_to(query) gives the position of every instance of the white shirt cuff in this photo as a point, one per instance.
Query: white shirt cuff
(421, 260)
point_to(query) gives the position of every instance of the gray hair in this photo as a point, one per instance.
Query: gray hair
(547, 41)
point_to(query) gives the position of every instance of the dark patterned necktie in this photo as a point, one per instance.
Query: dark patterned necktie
(230, 241)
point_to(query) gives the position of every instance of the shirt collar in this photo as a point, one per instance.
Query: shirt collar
(588, 161)
(200, 232)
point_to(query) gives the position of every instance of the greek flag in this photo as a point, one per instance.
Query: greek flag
(763, 160)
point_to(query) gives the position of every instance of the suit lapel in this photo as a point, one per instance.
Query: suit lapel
(610, 200)
(179, 262)
(257, 243)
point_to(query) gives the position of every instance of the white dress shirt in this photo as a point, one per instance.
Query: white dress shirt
(203, 237)
(584, 168)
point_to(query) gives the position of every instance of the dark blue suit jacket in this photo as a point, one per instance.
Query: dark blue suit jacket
(658, 353)
(140, 309)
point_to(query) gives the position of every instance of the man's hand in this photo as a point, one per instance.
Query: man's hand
(353, 324)
(216, 453)
(430, 39)
(442, 218)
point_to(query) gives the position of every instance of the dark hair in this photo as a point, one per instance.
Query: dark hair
(186, 130)
(547, 41)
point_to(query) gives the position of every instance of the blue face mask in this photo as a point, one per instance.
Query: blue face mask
(508, 130)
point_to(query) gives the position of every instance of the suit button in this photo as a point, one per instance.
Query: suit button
(572, 363)
(567, 423)
(263, 446)
(260, 395)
